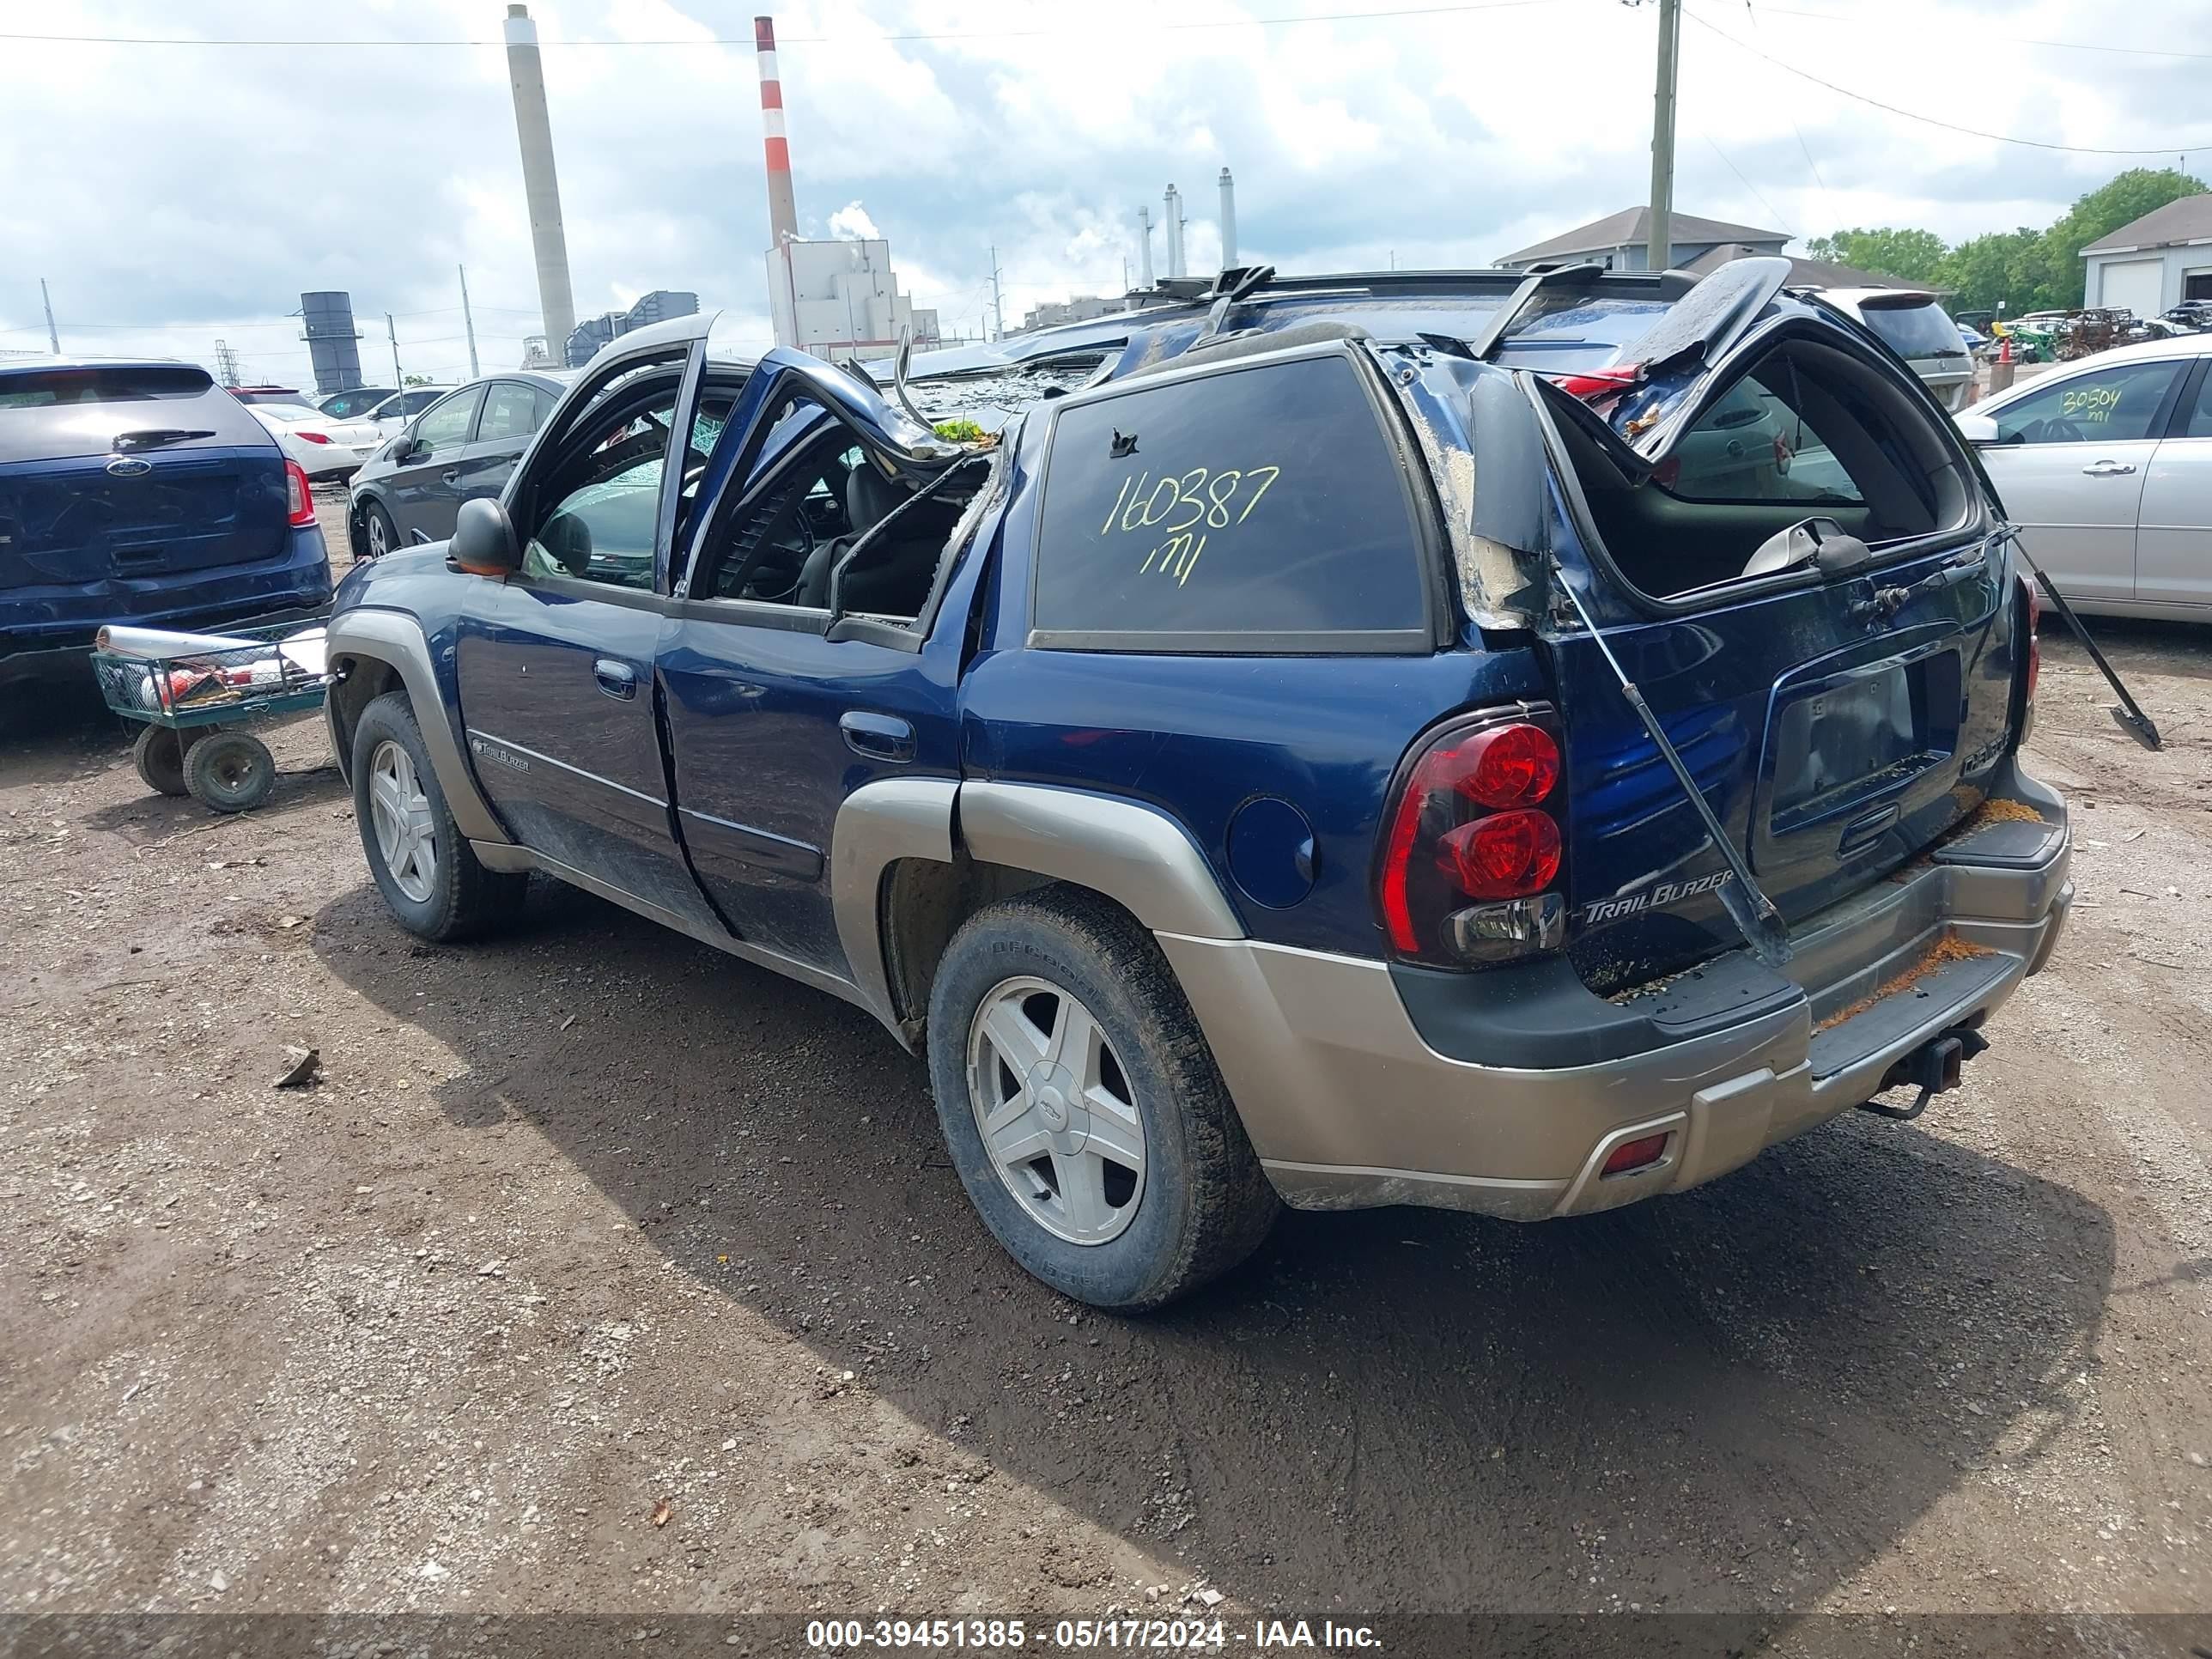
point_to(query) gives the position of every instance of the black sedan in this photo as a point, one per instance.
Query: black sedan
(464, 446)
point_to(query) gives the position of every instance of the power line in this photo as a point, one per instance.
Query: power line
(815, 39)
(1931, 120)
(1746, 183)
(2009, 40)
(1800, 132)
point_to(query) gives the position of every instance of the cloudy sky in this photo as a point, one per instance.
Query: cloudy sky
(176, 194)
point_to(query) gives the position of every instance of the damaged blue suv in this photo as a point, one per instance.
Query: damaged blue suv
(1516, 742)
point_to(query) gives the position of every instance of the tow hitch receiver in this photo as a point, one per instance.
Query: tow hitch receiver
(1933, 1069)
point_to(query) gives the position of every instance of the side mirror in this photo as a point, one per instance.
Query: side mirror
(1977, 428)
(484, 542)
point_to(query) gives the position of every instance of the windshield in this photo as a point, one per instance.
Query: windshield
(1924, 330)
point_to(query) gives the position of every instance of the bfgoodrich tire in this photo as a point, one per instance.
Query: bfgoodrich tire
(1082, 1109)
(430, 880)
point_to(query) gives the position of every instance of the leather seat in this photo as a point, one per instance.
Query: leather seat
(869, 499)
(895, 577)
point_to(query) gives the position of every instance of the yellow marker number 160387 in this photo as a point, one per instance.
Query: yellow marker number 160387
(1180, 508)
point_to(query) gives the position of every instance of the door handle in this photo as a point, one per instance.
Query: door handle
(877, 736)
(2107, 469)
(615, 678)
(453, 475)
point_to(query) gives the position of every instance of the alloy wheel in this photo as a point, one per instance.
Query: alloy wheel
(1055, 1109)
(406, 832)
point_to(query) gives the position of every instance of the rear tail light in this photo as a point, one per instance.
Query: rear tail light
(311, 437)
(2034, 644)
(299, 500)
(1471, 850)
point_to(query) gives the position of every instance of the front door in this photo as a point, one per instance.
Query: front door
(777, 709)
(556, 663)
(2068, 463)
(424, 488)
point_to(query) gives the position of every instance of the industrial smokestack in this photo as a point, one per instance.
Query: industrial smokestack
(533, 125)
(782, 210)
(1145, 243)
(1174, 220)
(1228, 220)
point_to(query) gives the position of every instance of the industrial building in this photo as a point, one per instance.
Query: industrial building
(533, 129)
(586, 339)
(333, 341)
(838, 299)
(1079, 308)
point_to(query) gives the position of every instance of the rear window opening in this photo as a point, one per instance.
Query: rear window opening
(47, 388)
(1806, 432)
(1916, 330)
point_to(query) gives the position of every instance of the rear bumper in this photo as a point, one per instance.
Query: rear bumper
(1349, 1106)
(56, 620)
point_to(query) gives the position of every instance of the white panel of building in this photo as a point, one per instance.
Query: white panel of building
(2133, 283)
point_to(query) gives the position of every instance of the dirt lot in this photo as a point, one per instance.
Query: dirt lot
(592, 1220)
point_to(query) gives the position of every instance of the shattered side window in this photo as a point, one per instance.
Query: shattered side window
(1260, 501)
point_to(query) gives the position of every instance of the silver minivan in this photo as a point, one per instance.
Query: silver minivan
(1918, 329)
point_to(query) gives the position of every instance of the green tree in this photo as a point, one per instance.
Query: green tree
(1910, 256)
(2004, 268)
(2102, 212)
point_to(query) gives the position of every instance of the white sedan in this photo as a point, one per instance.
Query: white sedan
(2105, 465)
(368, 430)
(318, 443)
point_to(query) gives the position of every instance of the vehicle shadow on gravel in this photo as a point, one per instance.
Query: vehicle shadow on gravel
(1731, 1398)
(150, 817)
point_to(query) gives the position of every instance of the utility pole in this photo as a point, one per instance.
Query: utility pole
(468, 324)
(391, 333)
(53, 339)
(1659, 235)
(997, 314)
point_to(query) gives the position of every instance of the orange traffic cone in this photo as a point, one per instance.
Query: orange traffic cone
(2004, 349)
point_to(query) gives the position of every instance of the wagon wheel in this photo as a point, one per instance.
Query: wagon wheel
(230, 772)
(159, 754)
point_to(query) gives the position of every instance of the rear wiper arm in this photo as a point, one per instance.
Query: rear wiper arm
(153, 437)
(1753, 912)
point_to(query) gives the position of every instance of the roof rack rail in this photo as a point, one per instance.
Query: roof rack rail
(1540, 277)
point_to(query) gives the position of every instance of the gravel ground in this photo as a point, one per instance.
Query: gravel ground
(604, 1272)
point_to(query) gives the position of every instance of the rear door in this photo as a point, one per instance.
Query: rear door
(787, 691)
(1833, 733)
(111, 473)
(512, 413)
(2174, 540)
(2069, 462)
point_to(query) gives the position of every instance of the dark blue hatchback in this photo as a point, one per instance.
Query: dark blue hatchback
(1521, 743)
(141, 492)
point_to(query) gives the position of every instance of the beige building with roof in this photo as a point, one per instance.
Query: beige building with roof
(2153, 263)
